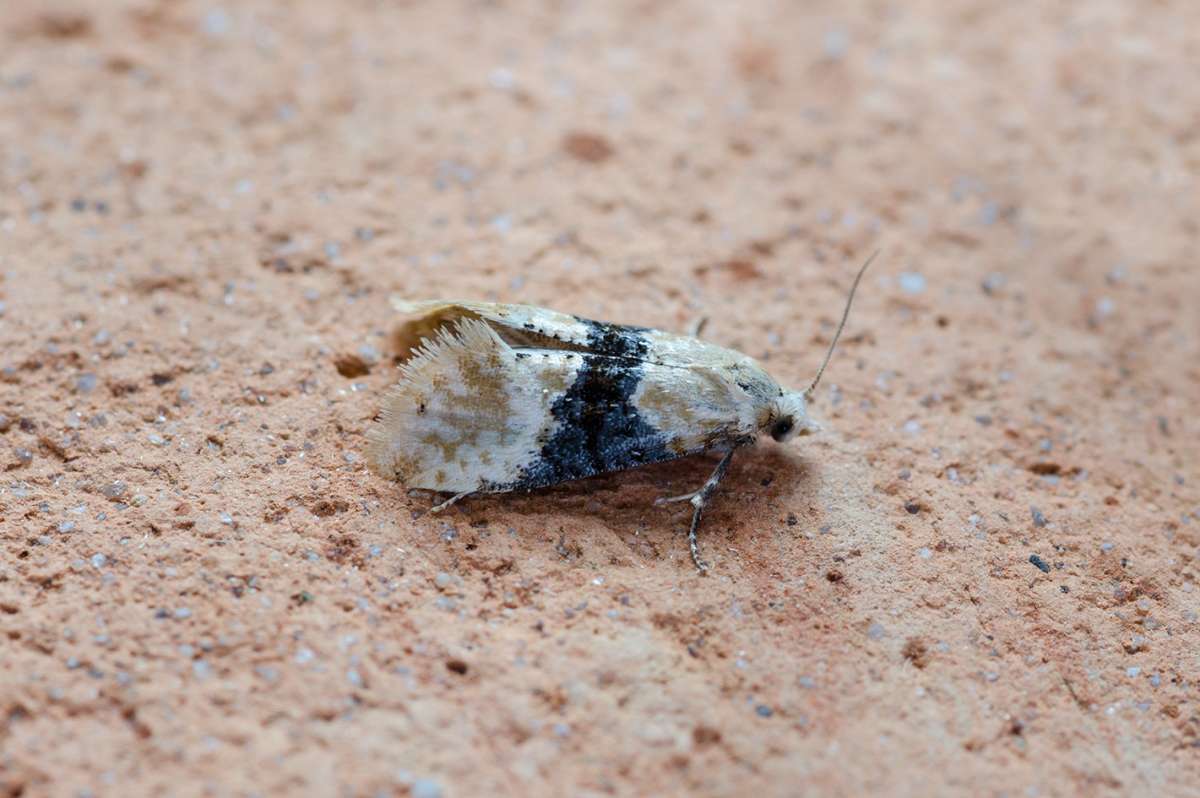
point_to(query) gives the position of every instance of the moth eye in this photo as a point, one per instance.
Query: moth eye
(781, 428)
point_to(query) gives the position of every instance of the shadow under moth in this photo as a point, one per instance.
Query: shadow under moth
(495, 398)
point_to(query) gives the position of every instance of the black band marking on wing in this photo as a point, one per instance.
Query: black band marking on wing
(599, 428)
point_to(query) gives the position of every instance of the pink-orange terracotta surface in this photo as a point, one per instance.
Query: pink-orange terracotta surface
(204, 208)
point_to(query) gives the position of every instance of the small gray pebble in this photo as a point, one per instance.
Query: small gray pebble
(114, 490)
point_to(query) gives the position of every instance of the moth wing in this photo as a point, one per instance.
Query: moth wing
(697, 408)
(471, 413)
(468, 411)
(520, 326)
(618, 414)
(530, 327)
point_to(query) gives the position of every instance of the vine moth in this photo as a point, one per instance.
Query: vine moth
(495, 398)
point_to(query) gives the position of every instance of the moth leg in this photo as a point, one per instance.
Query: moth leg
(446, 504)
(707, 488)
(699, 501)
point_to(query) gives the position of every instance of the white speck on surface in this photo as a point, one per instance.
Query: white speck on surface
(501, 78)
(182, 613)
(876, 631)
(304, 656)
(994, 282)
(217, 22)
(924, 553)
(267, 673)
(1133, 672)
(835, 42)
(425, 788)
(912, 282)
(912, 427)
(99, 561)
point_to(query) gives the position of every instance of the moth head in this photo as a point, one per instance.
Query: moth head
(789, 416)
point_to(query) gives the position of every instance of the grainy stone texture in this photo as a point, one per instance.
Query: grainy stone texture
(204, 208)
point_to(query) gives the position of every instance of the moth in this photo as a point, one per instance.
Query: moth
(494, 398)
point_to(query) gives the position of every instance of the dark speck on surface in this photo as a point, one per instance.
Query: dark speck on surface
(1039, 520)
(1042, 565)
(764, 711)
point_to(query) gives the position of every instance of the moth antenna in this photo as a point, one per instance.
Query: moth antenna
(845, 315)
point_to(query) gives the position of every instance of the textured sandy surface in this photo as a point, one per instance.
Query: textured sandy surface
(204, 209)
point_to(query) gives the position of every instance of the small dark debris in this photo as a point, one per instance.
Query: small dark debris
(792, 520)
(834, 575)
(916, 652)
(1135, 644)
(457, 666)
(1046, 469)
(587, 147)
(1042, 565)
(327, 507)
(161, 378)
(63, 25)
(764, 711)
(1064, 589)
(912, 507)
(351, 366)
(983, 421)
(1039, 520)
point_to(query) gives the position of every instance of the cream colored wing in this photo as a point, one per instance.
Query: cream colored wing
(474, 413)
(516, 325)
